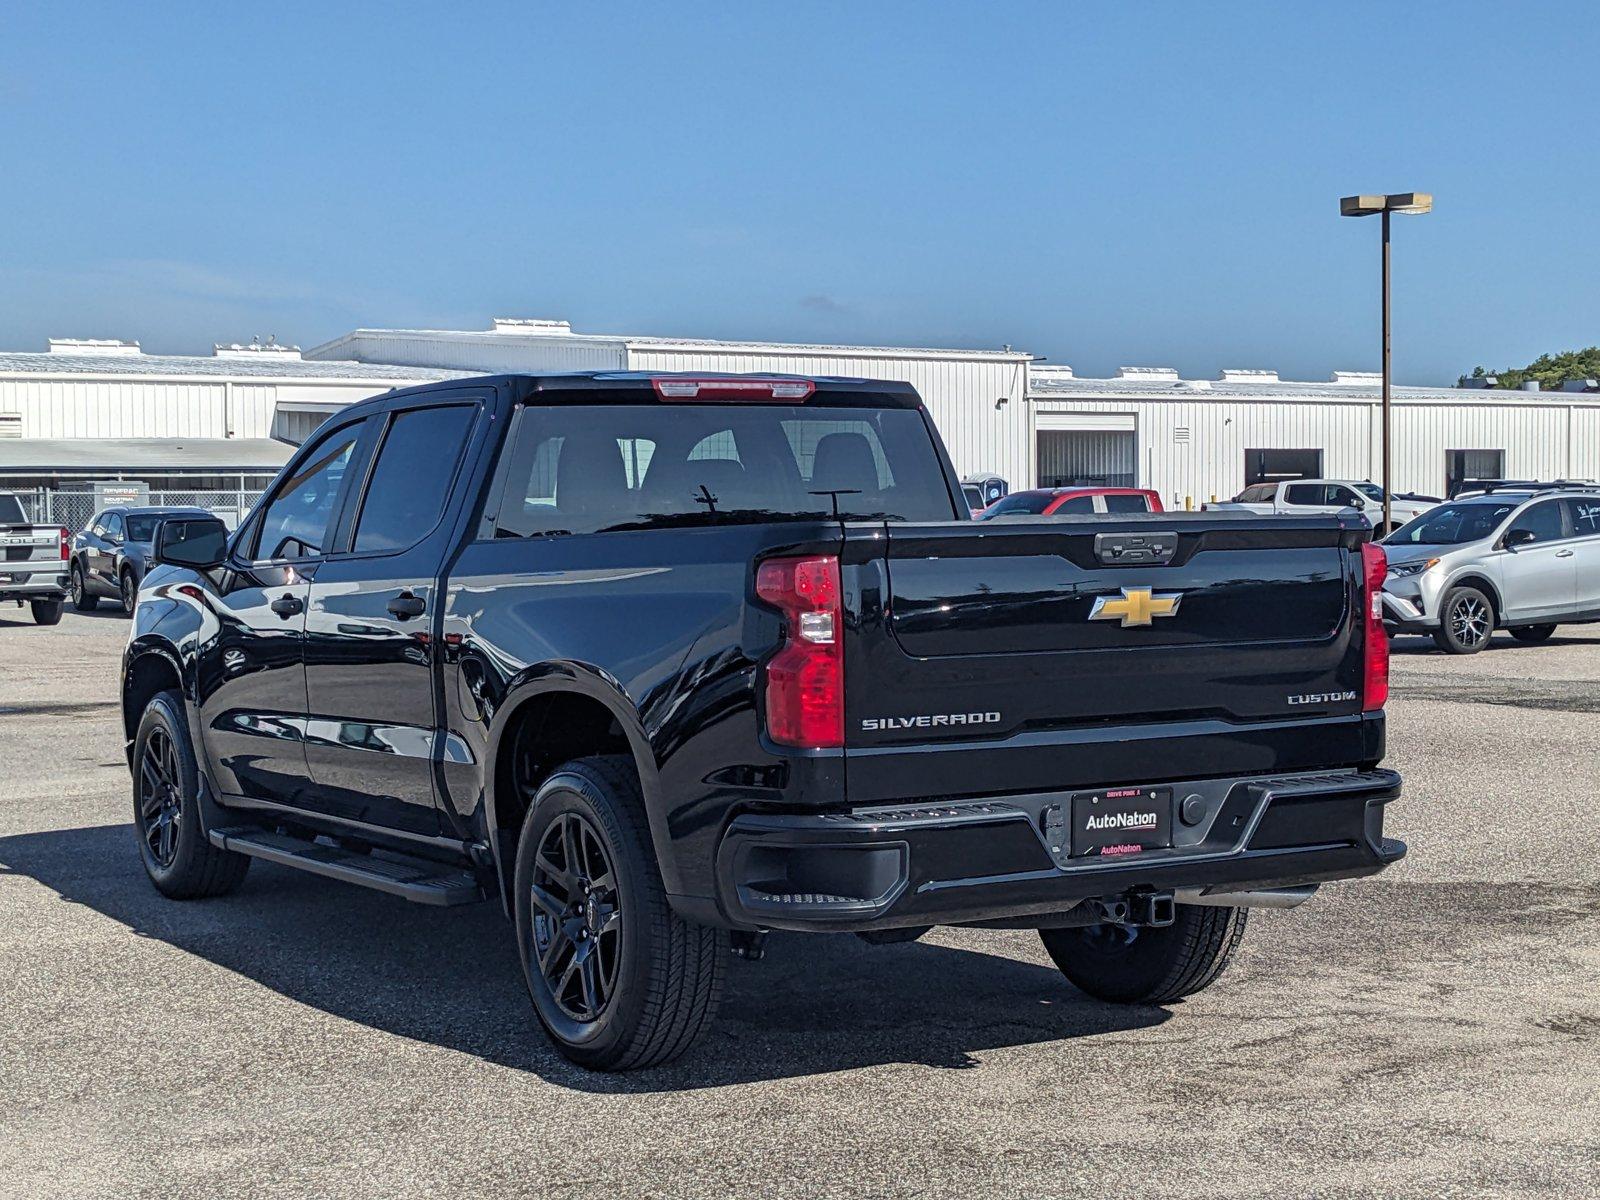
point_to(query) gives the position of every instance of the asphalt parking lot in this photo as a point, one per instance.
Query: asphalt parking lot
(1433, 1031)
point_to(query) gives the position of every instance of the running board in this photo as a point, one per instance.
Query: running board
(419, 880)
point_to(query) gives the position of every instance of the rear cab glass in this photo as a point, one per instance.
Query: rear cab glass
(11, 510)
(1122, 503)
(596, 468)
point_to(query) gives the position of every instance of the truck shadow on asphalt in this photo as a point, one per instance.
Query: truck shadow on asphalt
(450, 977)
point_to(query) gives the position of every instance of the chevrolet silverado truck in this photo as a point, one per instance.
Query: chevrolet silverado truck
(35, 568)
(662, 663)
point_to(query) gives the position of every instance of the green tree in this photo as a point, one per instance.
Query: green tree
(1551, 370)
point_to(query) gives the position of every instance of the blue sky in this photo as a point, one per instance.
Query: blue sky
(1102, 184)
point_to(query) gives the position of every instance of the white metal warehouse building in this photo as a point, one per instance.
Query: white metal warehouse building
(209, 430)
(1199, 438)
(1000, 411)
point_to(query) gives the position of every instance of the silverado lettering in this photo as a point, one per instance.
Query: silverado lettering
(870, 724)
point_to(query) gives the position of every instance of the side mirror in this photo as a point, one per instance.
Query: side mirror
(1520, 537)
(1359, 502)
(197, 542)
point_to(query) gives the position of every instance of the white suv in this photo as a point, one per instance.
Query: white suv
(1524, 559)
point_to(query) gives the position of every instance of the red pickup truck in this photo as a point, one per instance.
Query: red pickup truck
(1069, 501)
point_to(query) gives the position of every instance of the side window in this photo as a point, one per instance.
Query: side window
(1303, 493)
(114, 526)
(1074, 504)
(98, 525)
(1585, 516)
(1543, 520)
(295, 523)
(1341, 495)
(1127, 504)
(410, 485)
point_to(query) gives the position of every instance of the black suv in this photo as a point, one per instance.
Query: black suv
(660, 663)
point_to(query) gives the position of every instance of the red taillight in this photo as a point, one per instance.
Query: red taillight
(682, 387)
(66, 545)
(805, 679)
(1375, 663)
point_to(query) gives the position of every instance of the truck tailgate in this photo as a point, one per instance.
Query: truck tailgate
(1088, 651)
(30, 543)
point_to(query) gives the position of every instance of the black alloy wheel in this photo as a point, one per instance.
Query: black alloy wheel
(177, 855)
(577, 917)
(617, 979)
(160, 797)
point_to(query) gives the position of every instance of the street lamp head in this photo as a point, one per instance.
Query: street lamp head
(1360, 206)
(1399, 202)
(1415, 203)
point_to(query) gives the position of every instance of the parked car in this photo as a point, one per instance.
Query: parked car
(1067, 501)
(1324, 495)
(110, 557)
(661, 663)
(34, 571)
(1522, 558)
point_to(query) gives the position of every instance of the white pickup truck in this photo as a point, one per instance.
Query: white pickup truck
(34, 570)
(1300, 497)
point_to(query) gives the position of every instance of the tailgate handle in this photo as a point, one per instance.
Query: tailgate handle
(1135, 549)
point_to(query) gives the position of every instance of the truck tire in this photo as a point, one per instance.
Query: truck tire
(617, 979)
(1531, 633)
(1133, 965)
(82, 599)
(46, 612)
(177, 856)
(1466, 621)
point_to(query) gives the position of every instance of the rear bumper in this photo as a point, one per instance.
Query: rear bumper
(33, 584)
(992, 861)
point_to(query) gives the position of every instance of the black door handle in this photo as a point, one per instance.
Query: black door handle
(287, 605)
(405, 606)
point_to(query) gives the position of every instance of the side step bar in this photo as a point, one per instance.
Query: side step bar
(416, 879)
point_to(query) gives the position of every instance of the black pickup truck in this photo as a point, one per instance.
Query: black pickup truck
(662, 663)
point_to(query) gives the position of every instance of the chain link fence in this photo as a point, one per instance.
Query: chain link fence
(75, 509)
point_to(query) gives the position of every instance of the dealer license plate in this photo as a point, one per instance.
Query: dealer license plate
(1116, 821)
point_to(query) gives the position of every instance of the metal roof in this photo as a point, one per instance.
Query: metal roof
(28, 363)
(1138, 383)
(509, 337)
(36, 456)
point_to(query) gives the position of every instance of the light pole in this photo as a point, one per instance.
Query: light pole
(1365, 206)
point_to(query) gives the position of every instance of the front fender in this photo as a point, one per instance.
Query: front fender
(168, 626)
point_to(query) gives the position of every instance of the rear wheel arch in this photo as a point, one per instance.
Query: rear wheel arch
(551, 723)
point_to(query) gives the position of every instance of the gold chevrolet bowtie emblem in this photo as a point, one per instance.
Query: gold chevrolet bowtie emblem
(1137, 606)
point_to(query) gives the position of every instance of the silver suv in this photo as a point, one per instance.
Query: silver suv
(1522, 558)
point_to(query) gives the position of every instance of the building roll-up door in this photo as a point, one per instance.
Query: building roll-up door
(1094, 449)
